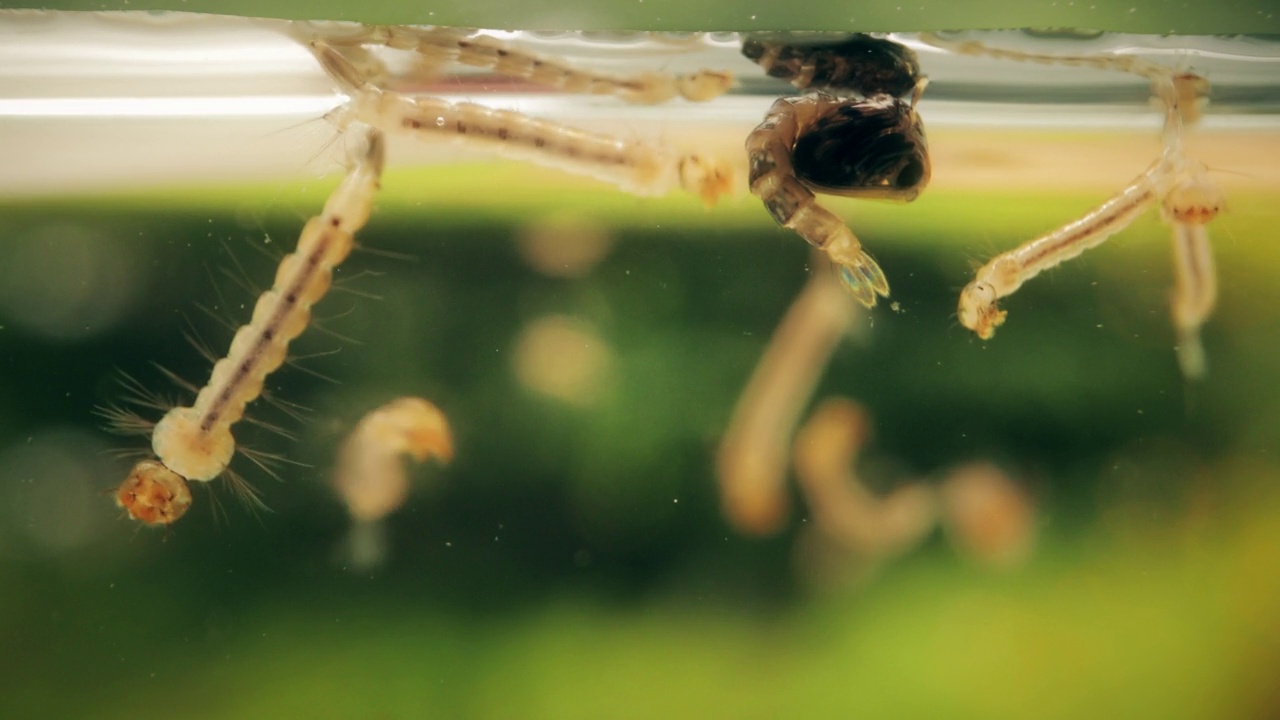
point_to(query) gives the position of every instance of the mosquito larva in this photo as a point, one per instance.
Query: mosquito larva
(634, 166)
(1189, 200)
(195, 442)
(1187, 209)
(370, 475)
(436, 47)
(753, 456)
(1123, 63)
(988, 516)
(1006, 272)
(843, 509)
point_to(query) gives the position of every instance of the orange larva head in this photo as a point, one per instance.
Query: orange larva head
(154, 494)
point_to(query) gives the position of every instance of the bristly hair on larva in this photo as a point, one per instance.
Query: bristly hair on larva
(1188, 201)
(350, 56)
(194, 443)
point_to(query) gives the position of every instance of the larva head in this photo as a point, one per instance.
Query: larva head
(978, 310)
(154, 494)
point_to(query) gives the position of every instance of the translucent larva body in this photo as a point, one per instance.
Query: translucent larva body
(436, 47)
(755, 450)
(195, 442)
(1188, 198)
(371, 478)
(636, 166)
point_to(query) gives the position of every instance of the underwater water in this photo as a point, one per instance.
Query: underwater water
(589, 348)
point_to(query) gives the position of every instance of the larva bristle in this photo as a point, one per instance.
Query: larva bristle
(195, 442)
(124, 422)
(244, 491)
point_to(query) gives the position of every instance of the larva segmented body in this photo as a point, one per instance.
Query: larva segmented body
(1189, 201)
(635, 166)
(195, 442)
(436, 47)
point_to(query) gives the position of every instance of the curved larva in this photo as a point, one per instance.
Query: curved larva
(371, 477)
(195, 442)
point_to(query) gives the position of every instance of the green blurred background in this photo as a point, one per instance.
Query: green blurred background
(573, 562)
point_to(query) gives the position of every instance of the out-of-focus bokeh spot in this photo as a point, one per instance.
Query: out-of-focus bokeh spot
(990, 519)
(52, 498)
(564, 358)
(564, 245)
(67, 281)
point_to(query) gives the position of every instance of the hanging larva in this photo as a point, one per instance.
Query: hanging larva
(195, 442)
